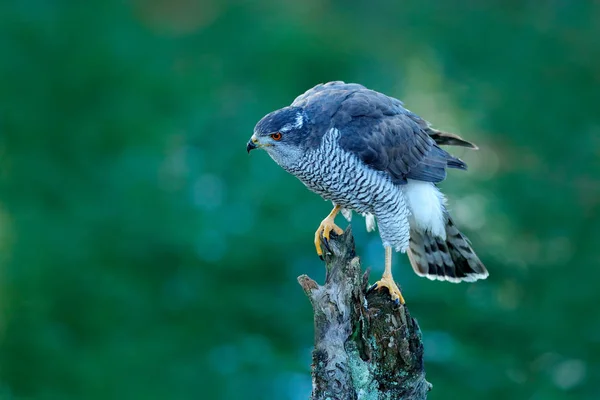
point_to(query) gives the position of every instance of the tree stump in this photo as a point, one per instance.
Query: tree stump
(366, 347)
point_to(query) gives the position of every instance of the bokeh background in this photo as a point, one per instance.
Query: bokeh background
(145, 255)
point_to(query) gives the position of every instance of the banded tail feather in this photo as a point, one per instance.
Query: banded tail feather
(451, 259)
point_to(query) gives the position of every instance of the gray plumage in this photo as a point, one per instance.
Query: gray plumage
(377, 129)
(341, 177)
(365, 152)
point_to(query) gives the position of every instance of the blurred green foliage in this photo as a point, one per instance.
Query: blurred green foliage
(144, 255)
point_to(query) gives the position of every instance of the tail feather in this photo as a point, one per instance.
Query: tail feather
(451, 259)
(449, 139)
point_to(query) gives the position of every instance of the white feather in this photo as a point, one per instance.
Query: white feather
(427, 205)
(468, 278)
(347, 214)
(299, 121)
(370, 221)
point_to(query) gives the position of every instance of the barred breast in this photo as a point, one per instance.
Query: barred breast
(341, 177)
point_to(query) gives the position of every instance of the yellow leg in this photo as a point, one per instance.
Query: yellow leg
(387, 280)
(327, 225)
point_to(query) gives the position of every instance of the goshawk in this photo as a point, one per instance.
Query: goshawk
(365, 152)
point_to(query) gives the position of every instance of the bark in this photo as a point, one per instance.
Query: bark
(365, 346)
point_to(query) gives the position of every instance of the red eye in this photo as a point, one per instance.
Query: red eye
(276, 136)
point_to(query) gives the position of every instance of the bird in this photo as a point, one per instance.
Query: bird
(366, 153)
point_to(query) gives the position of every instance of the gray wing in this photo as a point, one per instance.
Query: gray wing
(387, 137)
(324, 100)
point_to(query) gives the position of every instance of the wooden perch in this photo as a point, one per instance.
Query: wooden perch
(365, 346)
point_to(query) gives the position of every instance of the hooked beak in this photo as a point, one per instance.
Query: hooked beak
(252, 144)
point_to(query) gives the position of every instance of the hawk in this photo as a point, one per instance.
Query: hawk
(365, 152)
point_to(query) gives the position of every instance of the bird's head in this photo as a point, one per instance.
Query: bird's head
(281, 134)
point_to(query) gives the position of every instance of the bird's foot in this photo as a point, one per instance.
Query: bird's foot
(388, 282)
(327, 225)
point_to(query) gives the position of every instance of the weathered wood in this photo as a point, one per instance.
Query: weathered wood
(365, 346)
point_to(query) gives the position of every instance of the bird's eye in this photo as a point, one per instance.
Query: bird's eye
(276, 136)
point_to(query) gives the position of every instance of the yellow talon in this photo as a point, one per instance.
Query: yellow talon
(387, 280)
(325, 228)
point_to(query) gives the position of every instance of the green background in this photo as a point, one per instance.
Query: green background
(145, 255)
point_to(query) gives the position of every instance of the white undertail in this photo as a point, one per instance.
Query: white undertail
(427, 206)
